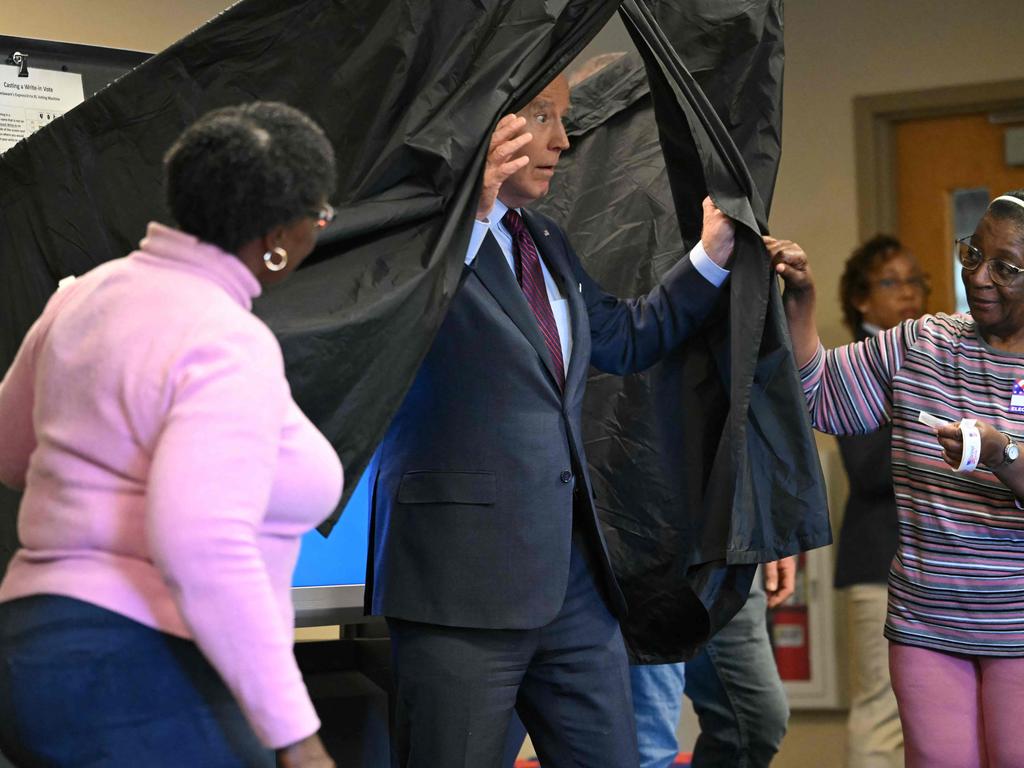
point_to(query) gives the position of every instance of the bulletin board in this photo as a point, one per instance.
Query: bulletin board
(98, 66)
(42, 79)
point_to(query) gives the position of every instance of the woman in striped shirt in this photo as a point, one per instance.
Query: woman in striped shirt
(956, 586)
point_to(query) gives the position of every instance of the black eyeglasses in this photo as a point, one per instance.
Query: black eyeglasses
(324, 216)
(1002, 272)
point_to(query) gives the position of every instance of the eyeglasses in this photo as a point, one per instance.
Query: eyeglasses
(893, 284)
(324, 216)
(1002, 272)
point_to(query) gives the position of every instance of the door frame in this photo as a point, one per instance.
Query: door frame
(875, 118)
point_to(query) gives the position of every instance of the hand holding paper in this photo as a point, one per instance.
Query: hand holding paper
(966, 443)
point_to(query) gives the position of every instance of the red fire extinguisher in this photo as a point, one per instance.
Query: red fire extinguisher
(792, 650)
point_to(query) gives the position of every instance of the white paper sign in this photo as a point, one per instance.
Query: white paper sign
(29, 103)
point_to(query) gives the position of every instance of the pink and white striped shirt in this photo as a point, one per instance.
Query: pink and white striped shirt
(168, 473)
(957, 581)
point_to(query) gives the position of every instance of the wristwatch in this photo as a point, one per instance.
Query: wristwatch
(1010, 453)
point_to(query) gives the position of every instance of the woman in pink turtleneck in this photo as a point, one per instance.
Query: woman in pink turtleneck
(169, 476)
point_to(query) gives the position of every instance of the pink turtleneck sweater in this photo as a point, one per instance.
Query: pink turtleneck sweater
(168, 473)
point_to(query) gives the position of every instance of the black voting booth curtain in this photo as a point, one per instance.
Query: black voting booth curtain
(408, 91)
(704, 464)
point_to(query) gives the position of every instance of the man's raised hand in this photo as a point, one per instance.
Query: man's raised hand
(717, 234)
(502, 160)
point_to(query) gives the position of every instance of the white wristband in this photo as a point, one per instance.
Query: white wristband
(969, 434)
(972, 445)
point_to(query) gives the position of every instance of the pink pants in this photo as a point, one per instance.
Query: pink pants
(959, 711)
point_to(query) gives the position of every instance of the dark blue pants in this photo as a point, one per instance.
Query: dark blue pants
(456, 689)
(82, 686)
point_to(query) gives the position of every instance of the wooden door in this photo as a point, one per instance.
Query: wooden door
(937, 159)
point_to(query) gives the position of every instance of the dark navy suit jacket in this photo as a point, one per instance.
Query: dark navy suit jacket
(477, 476)
(870, 533)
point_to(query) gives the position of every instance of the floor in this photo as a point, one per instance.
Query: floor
(815, 739)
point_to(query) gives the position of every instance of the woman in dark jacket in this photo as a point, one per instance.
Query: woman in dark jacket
(882, 285)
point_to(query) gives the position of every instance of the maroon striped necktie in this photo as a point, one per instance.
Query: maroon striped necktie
(531, 280)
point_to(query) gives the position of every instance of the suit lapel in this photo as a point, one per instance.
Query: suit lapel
(557, 261)
(493, 271)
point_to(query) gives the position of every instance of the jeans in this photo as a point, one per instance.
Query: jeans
(736, 692)
(83, 686)
(657, 704)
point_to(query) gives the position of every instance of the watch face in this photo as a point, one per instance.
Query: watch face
(1011, 451)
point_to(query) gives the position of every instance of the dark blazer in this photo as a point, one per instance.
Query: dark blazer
(868, 537)
(474, 493)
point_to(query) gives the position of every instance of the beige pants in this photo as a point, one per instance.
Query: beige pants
(874, 737)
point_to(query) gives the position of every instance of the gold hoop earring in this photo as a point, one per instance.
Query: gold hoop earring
(276, 266)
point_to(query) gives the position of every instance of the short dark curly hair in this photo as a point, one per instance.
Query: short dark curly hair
(855, 284)
(238, 172)
(1004, 210)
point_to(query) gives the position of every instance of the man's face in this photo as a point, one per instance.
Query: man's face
(544, 117)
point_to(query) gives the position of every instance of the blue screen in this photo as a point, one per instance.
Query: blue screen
(341, 557)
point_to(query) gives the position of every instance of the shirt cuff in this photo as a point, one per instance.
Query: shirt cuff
(710, 271)
(476, 239)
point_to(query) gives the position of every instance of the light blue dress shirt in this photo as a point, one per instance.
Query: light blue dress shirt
(710, 271)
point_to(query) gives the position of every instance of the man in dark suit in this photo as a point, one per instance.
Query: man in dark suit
(486, 556)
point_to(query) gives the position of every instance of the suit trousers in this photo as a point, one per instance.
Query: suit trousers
(457, 688)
